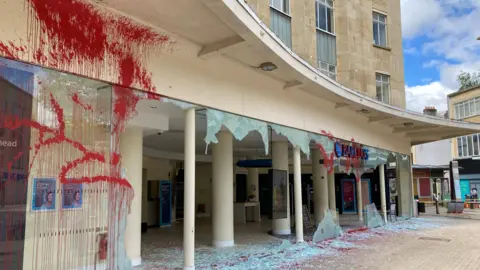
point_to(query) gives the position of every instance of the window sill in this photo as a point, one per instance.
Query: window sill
(383, 48)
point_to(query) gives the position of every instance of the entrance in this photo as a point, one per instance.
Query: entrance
(349, 195)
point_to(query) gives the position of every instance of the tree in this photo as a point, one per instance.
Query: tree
(468, 80)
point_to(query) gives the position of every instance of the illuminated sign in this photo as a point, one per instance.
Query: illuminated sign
(345, 150)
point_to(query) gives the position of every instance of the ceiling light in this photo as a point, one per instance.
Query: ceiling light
(408, 124)
(153, 107)
(364, 111)
(268, 66)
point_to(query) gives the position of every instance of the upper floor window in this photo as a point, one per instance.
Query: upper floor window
(328, 69)
(379, 29)
(281, 5)
(467, 108)
(468, 146)
(383, 87)
(324, 13)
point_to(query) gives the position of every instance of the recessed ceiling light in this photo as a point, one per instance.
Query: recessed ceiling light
(364, 111)
(268, 66)
(408, 124)
(153, 107)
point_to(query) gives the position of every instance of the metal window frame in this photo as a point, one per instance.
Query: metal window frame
(285, 4)
(383, 82)
(378, 28)
(317, 20)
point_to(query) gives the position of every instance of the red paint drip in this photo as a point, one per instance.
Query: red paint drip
(78, 33)
(358, 230)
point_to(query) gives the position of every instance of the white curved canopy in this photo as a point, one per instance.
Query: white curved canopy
(232, 29)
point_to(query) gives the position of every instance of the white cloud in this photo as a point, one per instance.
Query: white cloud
(426, 80)
(410, 50)
(450, 28)
(432, 94)
(432, 63)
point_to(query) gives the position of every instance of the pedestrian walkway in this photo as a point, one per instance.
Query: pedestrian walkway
(453, 245)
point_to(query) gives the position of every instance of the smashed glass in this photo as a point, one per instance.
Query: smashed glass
(297, 138)
(239, 126)
(327, 229)
(181, 104)
(285, 244)
(373, 219)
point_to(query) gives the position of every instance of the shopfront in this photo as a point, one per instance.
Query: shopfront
(85, 83)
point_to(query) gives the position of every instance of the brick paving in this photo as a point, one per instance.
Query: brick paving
(455, 245)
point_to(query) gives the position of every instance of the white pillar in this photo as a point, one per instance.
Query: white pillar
(252, 183)
(131, 150)
(383, 200)
(331, 193)
(359, 199)
(320, 187)
(189, 192)
(297, 182)
(280, 162)
(222, 186)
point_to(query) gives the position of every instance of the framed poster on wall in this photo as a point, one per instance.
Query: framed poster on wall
(165, 203)
(43, 195)
(72, 196)
(279, 198)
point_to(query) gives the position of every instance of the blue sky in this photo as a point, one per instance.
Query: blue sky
(439, 41)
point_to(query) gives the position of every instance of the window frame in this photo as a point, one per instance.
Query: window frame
(379, 22)
(284, 3)
(382, 90)
(330, 74)
(467, 108)
(467, 146)
(317, 18)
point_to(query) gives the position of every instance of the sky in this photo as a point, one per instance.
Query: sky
(439, 41)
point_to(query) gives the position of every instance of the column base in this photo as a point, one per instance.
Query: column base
(136, 261)
(221, 244)
(282, 232)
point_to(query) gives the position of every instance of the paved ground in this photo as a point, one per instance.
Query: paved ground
(455, 245)
(428, 242)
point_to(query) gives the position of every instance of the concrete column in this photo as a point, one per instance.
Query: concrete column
(359, 199)
(320, 186)
(189, 192)
(280, 162)
(222, 190)
(297, 183)
(131, 150)
(332, 203)
(252, 182)
(383, 200)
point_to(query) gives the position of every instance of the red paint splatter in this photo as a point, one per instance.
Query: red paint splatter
(12, 51)
(358, 230)
(78, 33)
(76, 100)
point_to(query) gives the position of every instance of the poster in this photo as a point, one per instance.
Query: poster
(165, 203)
(72, 196)
(348, 195)
(280, 188)
(43, 194)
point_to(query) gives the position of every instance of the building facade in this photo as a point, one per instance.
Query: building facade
(465, 105)
(359, 44)
(134, 103)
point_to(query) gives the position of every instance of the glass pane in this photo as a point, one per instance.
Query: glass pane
(456, 111)
(475, 145)
(383, 35)
(386, 93)
(382, 18)
(471, 105)
(332, 68)
(459, 147)
(386, 78)
(465, 110)
(470, 145)
(464, 146)
(330, 20)
(461, 111)
(286, 6)
(324, 66)
(330, 3)
(379, 91)
(477, 105)
(322, 19)
(376, 41)
(378, 77)
(375, 16)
